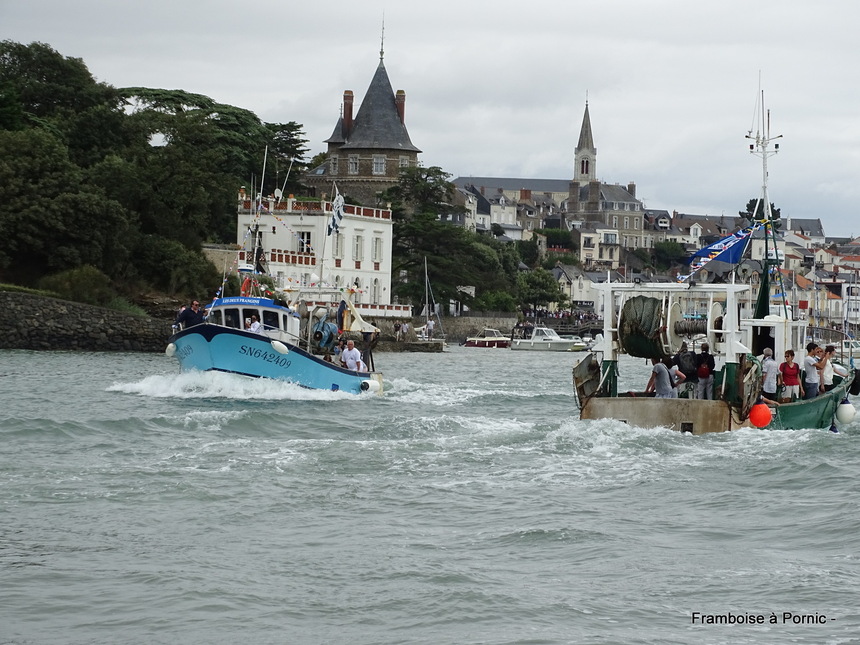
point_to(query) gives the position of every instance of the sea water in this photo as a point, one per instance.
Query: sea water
(469, 504)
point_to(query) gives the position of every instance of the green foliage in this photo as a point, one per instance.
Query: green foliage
(539, 288)
(85, 284)
(172, 267)
(17, 288)
(495, 301)
(528, 251)
(755, 210)
(668, 253)
(133, 193)
(553, 258)
(557, 237)
(124, 306)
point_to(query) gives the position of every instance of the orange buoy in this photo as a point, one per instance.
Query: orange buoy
(246, 287)
(760, 415)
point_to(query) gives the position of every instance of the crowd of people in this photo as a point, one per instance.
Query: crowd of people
(573, 317)
(684, 373)
(692, 375)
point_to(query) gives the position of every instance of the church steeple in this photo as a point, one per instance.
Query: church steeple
(585, 154)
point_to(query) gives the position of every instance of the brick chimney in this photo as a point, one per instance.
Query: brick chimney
(400, 103)
(347, 113)
(631, 188)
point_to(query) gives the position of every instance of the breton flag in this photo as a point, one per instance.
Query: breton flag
(337, 215)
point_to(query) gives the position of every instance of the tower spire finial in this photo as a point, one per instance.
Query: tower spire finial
(382, 38)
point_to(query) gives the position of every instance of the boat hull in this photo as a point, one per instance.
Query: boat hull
(548, 345)
(685, 415)
(498, 343)
(811, 413)
(215, 348)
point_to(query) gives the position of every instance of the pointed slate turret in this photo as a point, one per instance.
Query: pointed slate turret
(378, 123)
(367, 152)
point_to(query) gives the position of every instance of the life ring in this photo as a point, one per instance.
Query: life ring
(246, 287)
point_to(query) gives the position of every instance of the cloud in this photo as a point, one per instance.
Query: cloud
(499, 88)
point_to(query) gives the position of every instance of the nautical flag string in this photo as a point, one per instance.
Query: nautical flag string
(729, 249)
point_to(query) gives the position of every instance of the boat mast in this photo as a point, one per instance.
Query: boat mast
(761, 148)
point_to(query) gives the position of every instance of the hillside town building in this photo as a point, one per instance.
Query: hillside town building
(367, 149)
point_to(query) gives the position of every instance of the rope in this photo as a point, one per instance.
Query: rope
(641, 327)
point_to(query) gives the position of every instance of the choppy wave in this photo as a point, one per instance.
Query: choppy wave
(467, 504)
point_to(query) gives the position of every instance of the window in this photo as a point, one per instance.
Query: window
(626, 222)
(404, 162)
(610, 238)
(358, 248)
(305, 242)
(378, 164)
(332, 164)
(588, 242)
(583, 167)
(353, 164)
(615, 221)
(270, 320)
(338, 245)
(377, 249)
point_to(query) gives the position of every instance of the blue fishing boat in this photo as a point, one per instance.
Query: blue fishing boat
(286, 336)
(286, 346)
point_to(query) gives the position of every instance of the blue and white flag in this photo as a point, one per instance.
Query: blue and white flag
(729, 249)
(337, 215)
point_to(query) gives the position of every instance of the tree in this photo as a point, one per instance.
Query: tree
(668, 253)
(755, 210)
(539, 288)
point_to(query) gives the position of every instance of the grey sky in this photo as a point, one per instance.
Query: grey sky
(498, 88)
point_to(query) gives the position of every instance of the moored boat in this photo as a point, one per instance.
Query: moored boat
(653, 320)
(547, 339)
(488, 338)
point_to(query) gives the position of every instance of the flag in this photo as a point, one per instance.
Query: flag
(729, 249)
(337, 215)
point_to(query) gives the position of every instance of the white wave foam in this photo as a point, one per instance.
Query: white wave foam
(204, 385)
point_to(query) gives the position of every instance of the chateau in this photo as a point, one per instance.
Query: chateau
(366, 151)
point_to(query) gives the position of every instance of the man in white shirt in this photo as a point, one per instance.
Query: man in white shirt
(812, 362)
(351, 357)
(770, 371)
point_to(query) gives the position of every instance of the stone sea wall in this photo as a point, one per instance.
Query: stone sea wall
(29, 321)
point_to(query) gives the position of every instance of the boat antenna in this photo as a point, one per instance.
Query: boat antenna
(761, 148)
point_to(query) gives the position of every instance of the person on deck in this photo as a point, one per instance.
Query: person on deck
(789, 378)
(664, 378)
(686, 362)
(191, 316)
(813, 363)
(255, 326)
(827, 371)
(705, 367)
(350, 358)
(770, 372)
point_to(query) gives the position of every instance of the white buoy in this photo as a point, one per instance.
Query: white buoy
(369, 385)
(279, 347)
(170, 350)
(845, 412)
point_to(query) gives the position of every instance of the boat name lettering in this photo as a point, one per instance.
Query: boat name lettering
(184, 352)
(262, 354)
